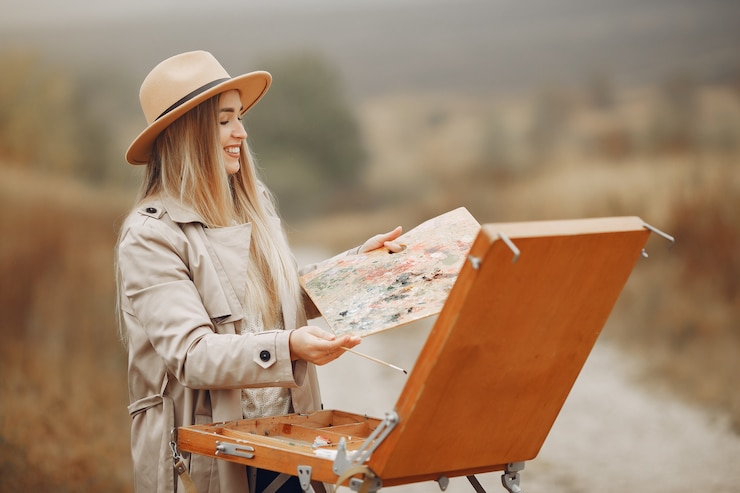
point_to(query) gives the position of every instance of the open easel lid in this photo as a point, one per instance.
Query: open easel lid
(506, 349)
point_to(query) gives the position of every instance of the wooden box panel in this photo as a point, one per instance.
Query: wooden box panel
(508, 345)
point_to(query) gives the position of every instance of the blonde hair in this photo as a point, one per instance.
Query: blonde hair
(187, 165)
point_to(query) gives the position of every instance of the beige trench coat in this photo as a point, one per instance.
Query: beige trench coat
(181, 288)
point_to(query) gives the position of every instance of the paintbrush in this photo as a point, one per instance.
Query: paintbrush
(376, 360)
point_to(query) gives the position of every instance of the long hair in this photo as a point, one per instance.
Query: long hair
(187, 165)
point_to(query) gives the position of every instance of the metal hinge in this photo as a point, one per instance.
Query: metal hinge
(510, 477)
(304, 478)
(342, 462)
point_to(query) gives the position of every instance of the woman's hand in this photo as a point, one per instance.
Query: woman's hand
(317, 346)
(384, 239)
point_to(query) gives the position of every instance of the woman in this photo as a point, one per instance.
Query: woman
(211, 309)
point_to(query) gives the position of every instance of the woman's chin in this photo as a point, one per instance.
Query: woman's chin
(232, 167)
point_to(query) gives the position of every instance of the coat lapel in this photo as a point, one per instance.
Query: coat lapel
(223, 251)
(228, 249)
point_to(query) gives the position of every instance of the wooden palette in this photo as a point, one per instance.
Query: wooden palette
(366, 294)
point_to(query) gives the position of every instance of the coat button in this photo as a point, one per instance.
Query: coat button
(151, 210)
(265, 355)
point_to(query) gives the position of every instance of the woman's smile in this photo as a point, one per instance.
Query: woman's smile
(232, 132)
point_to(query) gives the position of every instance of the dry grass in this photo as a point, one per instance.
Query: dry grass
(63, 415)
(689, 298)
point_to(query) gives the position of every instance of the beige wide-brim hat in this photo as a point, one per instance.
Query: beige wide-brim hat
(180, 83)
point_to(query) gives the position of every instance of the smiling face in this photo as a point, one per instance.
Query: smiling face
(231, 130)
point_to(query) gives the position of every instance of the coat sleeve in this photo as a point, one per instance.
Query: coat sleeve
(153, 262)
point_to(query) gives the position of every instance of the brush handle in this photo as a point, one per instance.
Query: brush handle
(376, 360)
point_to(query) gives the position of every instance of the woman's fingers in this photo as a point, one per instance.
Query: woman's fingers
(394, 246)
(382, 239)
(315, 345)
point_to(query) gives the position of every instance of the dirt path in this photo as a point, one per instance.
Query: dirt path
(614, 435)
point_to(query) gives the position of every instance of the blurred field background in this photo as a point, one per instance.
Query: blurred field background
(381, 113)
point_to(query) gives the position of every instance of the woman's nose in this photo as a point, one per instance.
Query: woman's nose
(239, 131)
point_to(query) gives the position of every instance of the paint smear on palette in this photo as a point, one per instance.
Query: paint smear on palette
(369, 293)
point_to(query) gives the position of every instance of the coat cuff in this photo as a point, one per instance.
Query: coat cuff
(272, 353)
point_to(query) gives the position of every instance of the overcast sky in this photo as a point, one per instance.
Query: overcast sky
(386, 45)
(54, 12)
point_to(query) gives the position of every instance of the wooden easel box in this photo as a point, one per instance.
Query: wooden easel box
(495, 369)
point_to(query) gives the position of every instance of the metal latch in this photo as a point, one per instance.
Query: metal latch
(235, 449)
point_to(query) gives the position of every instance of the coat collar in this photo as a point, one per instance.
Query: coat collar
(179, 212)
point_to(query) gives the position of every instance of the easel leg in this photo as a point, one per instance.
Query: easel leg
(476, 484)
(276, 483)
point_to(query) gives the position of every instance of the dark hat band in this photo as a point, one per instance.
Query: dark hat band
(190, 96)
